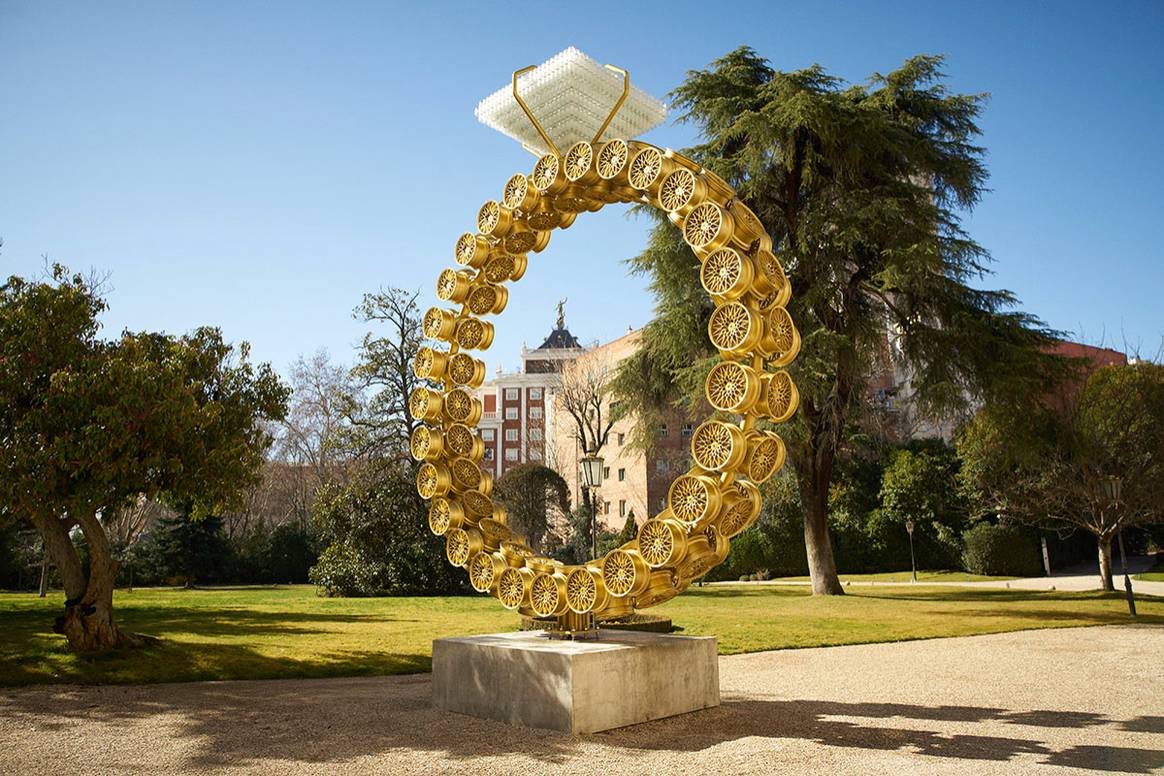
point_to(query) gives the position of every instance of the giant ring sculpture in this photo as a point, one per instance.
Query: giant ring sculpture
(718, 497)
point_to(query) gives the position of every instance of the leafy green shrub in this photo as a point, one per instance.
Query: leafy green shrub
(1002, 549)
(380, 543)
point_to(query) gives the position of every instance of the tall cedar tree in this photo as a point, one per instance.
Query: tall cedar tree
(862, 189)
(89, 426)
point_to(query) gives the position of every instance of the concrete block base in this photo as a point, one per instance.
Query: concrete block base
(623, 678)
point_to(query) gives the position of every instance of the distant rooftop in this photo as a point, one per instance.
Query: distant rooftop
(560, 338)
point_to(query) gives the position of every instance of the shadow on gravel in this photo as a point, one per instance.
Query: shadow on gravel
(247, 723)
(243, 724)
(815, 721)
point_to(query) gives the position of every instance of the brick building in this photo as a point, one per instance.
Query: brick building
(631, 481)
(518, 408)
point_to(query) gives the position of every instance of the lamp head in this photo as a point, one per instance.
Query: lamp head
(592, 470)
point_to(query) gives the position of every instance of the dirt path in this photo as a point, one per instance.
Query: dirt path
(1050, 702)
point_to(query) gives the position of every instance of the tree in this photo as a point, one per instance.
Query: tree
(535, 498)
(313, 446)
(192, 550)
(312, 433)
(583, 394)
(89, 426)
(379, 543)
(862, 187)
(630, 529)
(920, 484)
(382, 426)
(1047, 463)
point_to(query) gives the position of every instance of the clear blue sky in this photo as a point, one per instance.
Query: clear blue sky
(258, 166)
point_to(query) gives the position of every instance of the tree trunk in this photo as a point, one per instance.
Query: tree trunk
(42, 591)
(822, 566)
(88, 619)
(1105, 562)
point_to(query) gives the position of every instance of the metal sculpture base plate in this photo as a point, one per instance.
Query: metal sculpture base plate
(580, 686)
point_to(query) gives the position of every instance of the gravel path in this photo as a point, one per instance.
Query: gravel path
(1054, 702)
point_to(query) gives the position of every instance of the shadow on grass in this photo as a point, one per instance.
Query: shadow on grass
(196, 645)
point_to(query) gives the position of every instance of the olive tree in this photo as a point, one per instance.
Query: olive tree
(88, 426)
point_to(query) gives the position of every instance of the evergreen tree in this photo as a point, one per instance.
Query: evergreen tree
(862, 188)
(194, 550)
(630, 529)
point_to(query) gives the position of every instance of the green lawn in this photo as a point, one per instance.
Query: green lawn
(905, 576)
(1156, 573)
(261, 632)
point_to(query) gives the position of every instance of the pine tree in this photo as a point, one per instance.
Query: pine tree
(630, 529)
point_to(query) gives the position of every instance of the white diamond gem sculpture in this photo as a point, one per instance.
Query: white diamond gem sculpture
(570, 94)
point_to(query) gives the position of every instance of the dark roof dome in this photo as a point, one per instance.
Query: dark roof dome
(560, 337)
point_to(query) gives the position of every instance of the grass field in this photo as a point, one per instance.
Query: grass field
(1156, 573)
(905, 576)
(268, 632)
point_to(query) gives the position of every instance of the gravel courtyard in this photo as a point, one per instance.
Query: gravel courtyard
(1080, 700)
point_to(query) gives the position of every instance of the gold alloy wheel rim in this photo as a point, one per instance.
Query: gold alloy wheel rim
(706, 506)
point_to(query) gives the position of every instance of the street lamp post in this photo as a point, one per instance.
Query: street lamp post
(1114, 487)
(592, 475)
(912, 562)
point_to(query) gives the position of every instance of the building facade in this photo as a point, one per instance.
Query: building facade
(632, 483)
(518, 408)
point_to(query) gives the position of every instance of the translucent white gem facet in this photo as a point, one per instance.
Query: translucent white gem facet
(570, 94)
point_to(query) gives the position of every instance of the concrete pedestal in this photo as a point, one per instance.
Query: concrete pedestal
(623, 678)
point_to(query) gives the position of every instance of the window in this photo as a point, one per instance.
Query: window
(511, 413)
(535, 454)
(511, 394)
(688, 429)
(606, 472)
(511, 453)
(535, 412)
(662, 502)
(487, 435)
(622, 507)
(535, 434)
(662, 429)
(621, 475)
(661, 466)
(535, 393)
(621, 439)
(606, 507)
(488, 453)
(511, 435)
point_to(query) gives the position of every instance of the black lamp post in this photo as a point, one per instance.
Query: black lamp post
(912, 562)
(1113, 486)
(592, 475)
